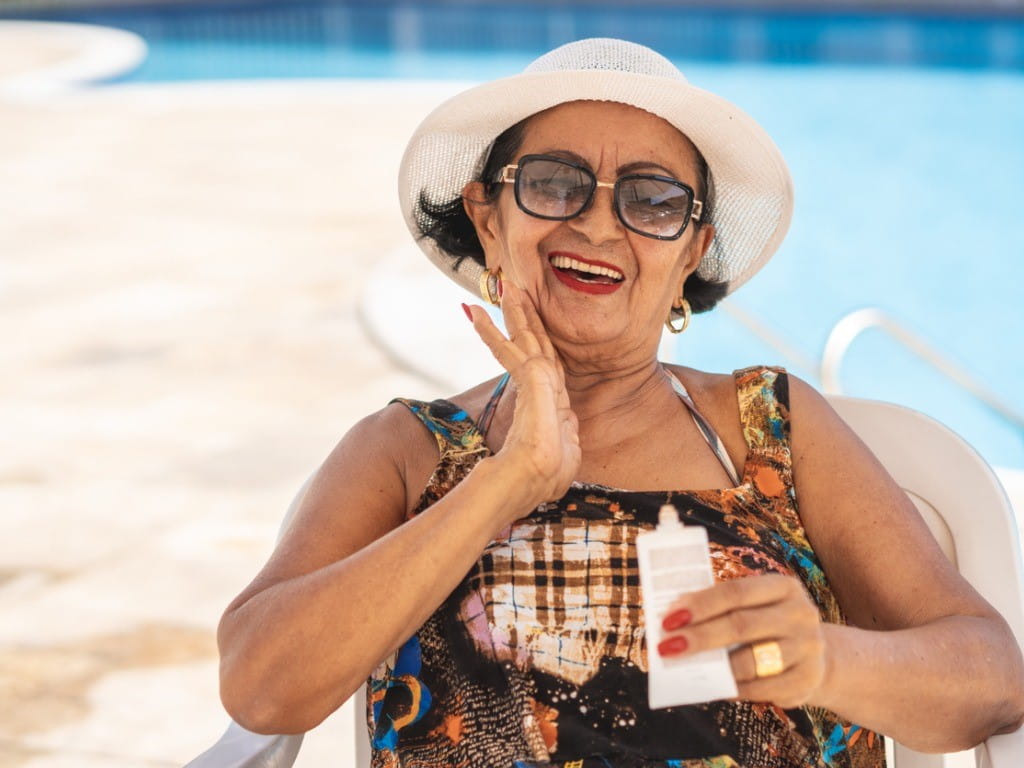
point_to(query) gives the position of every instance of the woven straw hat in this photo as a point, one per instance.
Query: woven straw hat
(753, 190)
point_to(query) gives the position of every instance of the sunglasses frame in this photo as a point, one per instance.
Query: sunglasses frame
(510, 175)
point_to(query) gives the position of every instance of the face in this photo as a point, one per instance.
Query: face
(627, 308)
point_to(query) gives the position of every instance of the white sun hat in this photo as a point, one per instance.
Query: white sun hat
(753, 192)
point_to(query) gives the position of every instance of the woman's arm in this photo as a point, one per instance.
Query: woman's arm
(926, 659)
(349, 581)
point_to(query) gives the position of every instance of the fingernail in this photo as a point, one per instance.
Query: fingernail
(676, 619)
(501, 288)
(672, 645)
(465, 308)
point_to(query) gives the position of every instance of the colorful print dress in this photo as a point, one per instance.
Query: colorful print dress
(538, 657)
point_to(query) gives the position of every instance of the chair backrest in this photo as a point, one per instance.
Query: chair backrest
(964, 504)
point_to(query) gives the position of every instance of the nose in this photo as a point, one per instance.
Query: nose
(599, 223)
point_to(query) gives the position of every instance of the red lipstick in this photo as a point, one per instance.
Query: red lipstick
(600, 284)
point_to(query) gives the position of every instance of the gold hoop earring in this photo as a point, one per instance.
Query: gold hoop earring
(490, 286)
(685, 309)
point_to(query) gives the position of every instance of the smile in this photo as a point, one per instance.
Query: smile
(585, 275)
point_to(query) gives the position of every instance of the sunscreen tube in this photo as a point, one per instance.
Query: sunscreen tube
(673, 559)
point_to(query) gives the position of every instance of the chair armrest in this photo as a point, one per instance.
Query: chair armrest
(239, 748)
(1005, 750)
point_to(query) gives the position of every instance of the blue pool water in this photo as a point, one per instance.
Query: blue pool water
(466, 39)
(905, 136)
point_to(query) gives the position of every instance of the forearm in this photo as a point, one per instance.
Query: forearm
(941, 687)
(294, 652)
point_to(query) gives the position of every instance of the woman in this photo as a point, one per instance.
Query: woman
(482, 571)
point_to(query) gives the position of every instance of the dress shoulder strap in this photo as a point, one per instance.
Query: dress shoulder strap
(705, 428)
(763, 394)
(452, 428)
(459, 443)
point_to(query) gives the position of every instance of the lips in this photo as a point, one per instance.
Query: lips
(585, 275)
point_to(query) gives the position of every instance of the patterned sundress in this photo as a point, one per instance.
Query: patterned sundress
(538, 657)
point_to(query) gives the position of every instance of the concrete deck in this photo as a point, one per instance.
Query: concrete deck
(180, 276)
(187, 280)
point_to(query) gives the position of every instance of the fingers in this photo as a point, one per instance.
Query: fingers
(747, 621)
(727, 596)
(504, 351)
(533, 334)
(524, 324)
(794, 687)
(526, 332)
(744, 666)
(533, 322)
(742, 627)
(742, 613)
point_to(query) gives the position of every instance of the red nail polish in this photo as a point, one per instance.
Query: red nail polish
(672, 645)
(465, 308)
(501, 288)
(676, 620)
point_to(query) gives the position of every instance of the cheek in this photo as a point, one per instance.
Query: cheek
(525, 240)
(662, 267)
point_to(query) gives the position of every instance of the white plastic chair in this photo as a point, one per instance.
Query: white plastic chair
(968, 512)
(957, 493)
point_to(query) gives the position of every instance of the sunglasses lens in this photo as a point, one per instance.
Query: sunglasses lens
(552, 189)
(654, 207)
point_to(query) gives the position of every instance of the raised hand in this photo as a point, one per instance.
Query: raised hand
(542, 445)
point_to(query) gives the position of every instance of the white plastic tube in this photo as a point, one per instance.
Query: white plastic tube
(674, 559)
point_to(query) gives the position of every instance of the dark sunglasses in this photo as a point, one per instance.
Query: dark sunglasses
(552, 188)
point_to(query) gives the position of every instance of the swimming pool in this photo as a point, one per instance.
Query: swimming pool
(904, 135)
(465, 39)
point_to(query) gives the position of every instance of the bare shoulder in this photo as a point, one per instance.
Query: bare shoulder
(827, 452)
(357, 495)
(812, 418)
(715, 397)
(379, 458)
(714, 392)
(394, 437)
(390, 446)
(815, 426)
(365, 488)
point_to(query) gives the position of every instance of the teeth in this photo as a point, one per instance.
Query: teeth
(565, 262)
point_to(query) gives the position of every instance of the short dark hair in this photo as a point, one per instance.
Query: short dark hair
(448, 225)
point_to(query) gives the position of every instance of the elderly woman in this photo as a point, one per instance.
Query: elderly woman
(475, 557)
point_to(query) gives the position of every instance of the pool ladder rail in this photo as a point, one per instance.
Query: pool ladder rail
(852, 325)
(846, 331)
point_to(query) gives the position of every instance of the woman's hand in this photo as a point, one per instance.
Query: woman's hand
(743, 613)
(542, 445)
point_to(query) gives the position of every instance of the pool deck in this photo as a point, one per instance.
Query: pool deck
(181, 272)
(197, 287)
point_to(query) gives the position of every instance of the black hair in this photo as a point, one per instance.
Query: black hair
(448, 225)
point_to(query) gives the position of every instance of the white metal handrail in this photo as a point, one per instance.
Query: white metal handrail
(845, 332)
(769, 336)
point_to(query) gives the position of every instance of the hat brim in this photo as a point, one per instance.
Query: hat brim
(753, 189)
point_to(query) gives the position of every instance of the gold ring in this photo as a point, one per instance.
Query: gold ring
(767, 659)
